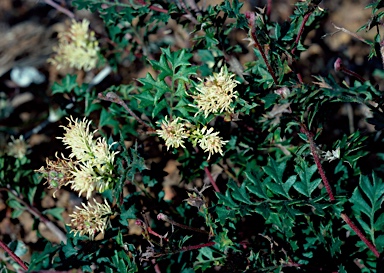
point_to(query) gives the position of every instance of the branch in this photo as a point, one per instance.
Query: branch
(112, 97)
(67, 12)
(32, 210)
(13, 255)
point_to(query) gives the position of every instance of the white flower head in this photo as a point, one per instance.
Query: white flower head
(17, 147)
(173, 132)
(216, 93)
(90, 219)
(208, 140)
(77, 48)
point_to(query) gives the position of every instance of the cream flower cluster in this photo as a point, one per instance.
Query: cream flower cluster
(90, 219)
(77, 48)
(17, 148)
(175, 132)
(216, 93)
(90, 164)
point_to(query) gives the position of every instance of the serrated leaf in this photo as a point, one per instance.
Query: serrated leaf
(274, 181)
(256, 186)
(367, 199)
(239, 193)
(305, 186)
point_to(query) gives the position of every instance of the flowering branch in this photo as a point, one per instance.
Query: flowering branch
(13, 255)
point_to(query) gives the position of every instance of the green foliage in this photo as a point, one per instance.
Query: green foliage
(280, 176)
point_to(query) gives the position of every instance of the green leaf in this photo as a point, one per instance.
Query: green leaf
(367, 200)
(55, 212)
(274, 181)
(68, 83)
(305, 186)
(256, 186)
(239, 193)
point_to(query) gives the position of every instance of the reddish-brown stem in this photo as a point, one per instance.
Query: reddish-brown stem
(360, 234)
(188, 248)
(213, 182)
(260, 48)
(162, 216)
(353, 74)
(269, 8)
(318, 162)
(330, 194)
(301, 30)
(32, 210)
(13, 255)
(67, 12)
(112, 97)
(154, 8)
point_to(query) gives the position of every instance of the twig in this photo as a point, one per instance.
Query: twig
(67, 12)
(162, 216)
(213, 182)
(32, 210)
(112, 97)
(13, 255)
(269, 7)
(348, 32)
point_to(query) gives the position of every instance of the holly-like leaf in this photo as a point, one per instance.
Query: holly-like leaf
(306, 186)
(367, 200)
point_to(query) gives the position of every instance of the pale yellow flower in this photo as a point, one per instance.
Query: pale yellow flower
(17, 147)
(90, 219)
(173, 132)
(216, 93)
(79, 139)
(77, 48)
(209, 141)
(92, 158)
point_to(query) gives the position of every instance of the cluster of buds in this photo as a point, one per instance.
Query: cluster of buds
(77, 48)
(89, 166)
(216, 93)
(175, 133)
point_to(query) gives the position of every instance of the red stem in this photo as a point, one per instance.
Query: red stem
(329, 190)
(269, 8)
(353, 74)
(360, 234)
(213, 182)
(318, 163)
(260, 48)
(301, 30)
(13, 255)
(188, 248)
(154, 8)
